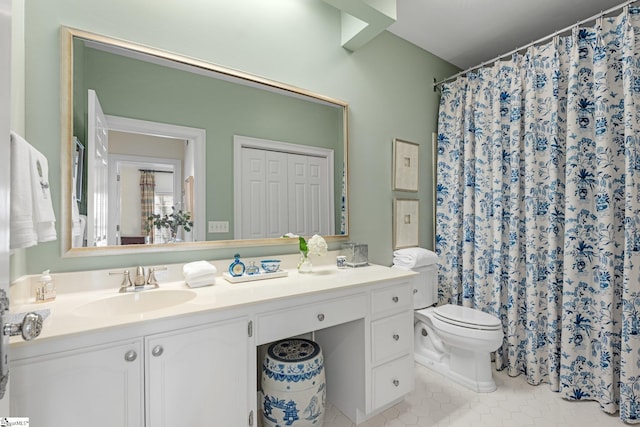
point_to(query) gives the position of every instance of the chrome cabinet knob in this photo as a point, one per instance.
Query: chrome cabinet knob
(321, 317)
(395, 299)
(130, 356)
(396, 337)
(157, 351)
(396, 382)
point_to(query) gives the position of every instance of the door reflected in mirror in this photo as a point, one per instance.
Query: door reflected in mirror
(143, 186)
(139, 87)
(150, 171)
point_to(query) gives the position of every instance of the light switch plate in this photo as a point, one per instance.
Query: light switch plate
(218, 226)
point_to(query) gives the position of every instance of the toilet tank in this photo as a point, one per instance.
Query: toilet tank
(425, 286)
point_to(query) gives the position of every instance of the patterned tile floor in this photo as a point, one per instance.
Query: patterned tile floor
(439, 402)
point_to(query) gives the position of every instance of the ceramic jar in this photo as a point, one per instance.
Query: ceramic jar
(293, 384)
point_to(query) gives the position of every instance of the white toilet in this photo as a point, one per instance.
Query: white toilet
(453, 340)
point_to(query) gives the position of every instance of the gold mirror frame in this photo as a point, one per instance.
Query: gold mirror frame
(67, 143)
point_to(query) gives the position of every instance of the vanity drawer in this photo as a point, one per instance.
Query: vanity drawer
(392, 337)
(311, 317)
(397, 297)
(392, 380)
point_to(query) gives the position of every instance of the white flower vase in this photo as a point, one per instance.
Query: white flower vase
(305, 265)
(293, 384)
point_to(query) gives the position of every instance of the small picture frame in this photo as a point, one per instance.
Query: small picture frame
(406, 220)
(406, 166)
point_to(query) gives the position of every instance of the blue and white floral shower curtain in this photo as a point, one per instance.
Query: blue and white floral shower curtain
(538, 209)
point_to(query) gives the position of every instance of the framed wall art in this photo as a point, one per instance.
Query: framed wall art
(406, 218)
(406, 168)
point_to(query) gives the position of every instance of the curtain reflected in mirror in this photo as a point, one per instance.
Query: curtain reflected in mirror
(147, 203)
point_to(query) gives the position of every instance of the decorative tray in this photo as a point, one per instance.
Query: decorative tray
(251, 277)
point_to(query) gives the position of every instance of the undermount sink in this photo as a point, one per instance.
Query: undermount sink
(135, 302)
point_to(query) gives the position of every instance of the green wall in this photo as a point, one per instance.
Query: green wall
(387, 83)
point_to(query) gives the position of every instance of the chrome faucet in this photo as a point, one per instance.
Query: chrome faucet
(126, 280)
(151, 276)
(141, 281)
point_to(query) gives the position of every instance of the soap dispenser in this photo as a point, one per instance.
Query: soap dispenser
(237, 267)
(46, 290)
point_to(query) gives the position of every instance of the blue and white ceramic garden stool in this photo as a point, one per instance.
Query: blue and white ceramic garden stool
(293, 384)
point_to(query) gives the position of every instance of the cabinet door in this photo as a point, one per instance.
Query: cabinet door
(199, 376)
(98, 386)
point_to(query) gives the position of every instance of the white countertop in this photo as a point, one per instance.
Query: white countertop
(64, 318)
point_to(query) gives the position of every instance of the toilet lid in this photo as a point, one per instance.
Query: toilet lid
(466, 317)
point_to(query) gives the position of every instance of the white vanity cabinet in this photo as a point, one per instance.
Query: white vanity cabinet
(95, 386)
(193, 376)
(199, 376)
(392, 372)
(369, 357)
(195, 364)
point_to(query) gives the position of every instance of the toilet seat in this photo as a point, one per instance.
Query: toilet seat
(466, 317)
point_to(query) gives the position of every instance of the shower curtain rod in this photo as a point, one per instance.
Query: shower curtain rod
(570, 27)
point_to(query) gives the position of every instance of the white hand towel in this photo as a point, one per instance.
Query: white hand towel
(43, 215)
(23, 232)
(207, 281)
(413, 257)
(199, 273)
(32, 217)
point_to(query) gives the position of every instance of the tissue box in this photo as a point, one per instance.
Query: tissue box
(357, 254)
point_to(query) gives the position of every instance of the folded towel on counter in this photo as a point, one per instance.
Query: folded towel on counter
(409, 258)
(32, 217)
(202, 282)
(199, 273)
(198, 269)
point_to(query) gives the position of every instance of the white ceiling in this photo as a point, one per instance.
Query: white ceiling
(469, 32)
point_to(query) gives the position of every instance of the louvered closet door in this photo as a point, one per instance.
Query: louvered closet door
(264, 194)
(308, 195)
(283, 193)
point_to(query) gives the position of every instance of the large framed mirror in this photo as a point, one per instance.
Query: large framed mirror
(181, 154)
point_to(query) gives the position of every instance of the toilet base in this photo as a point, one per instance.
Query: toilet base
(474, 374)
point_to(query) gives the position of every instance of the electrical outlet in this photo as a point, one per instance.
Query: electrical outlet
(218, 226)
